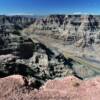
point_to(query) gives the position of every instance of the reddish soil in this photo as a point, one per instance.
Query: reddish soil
(69, 88)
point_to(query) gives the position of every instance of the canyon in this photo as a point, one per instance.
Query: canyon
(47, 55)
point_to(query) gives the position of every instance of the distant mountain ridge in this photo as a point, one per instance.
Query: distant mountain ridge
(68, 27)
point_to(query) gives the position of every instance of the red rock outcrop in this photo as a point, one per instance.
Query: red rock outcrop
(68, 88)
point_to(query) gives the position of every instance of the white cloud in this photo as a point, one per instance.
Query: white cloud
(77, 13)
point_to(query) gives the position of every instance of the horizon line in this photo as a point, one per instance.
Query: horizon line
(32, 14)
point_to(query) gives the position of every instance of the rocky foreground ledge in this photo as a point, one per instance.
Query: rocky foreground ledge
(17, 87)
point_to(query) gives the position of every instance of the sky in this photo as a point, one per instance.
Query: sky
(45, 7)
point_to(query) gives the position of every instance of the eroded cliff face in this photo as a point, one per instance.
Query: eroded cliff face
(21, 54)
(15, 23)
(69, 27)
(34, 60)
